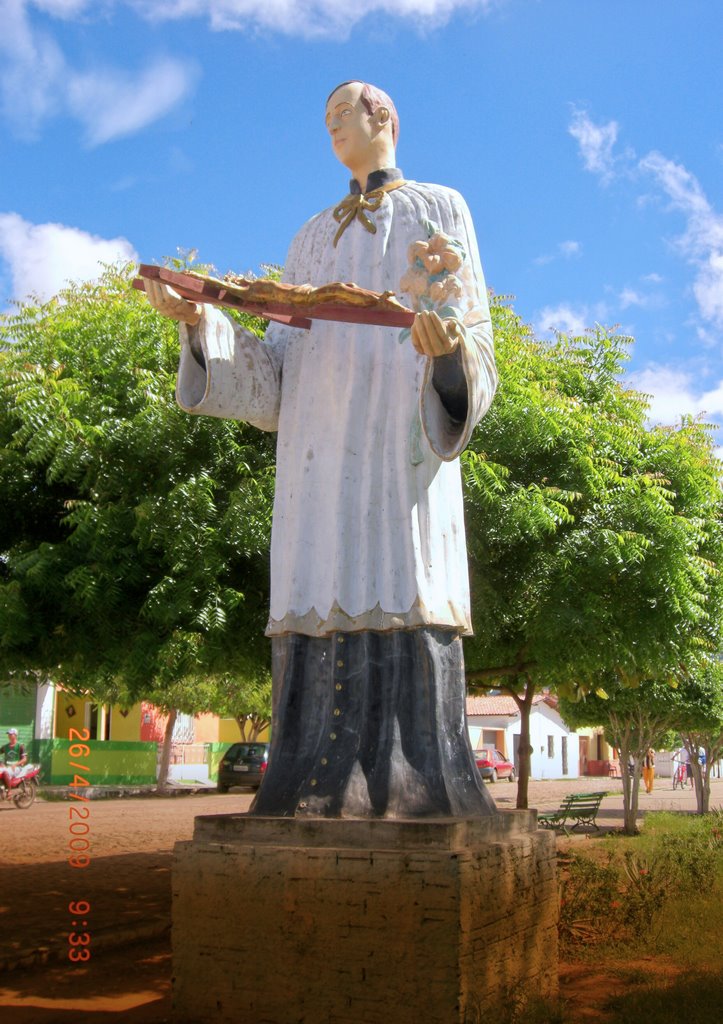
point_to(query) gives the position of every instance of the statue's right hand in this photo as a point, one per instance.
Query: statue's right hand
(170, 303)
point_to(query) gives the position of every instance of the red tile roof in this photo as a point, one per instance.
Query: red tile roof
(502, 705)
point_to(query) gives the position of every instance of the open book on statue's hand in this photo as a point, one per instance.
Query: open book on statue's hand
(296, 305)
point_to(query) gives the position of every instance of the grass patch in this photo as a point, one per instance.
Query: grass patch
(659, 892)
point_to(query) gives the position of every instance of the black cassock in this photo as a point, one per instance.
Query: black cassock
(371, 724)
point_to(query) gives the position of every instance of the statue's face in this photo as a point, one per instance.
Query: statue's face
(351, 126)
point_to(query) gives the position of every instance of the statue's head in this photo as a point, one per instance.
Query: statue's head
(363, 124)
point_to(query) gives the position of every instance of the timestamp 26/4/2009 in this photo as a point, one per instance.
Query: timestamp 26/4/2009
(79, 841)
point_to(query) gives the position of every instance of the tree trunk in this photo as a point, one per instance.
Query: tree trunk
(704, 805)
(259, 724)
(699, 785)
(241, 722)
(692, 745)
(631, 787)
(624, 748)
(166, 752)
(525, 748)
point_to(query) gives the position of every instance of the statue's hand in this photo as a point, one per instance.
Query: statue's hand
(170, 303)
(433, 336)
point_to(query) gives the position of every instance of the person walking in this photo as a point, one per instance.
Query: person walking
(649, 769)
(683, 759)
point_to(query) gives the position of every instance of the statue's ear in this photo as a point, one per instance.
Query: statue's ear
(381, 117)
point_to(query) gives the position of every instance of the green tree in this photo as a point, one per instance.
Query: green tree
(633, 718)
(248, 700)
(134, 551)
(593, 541)
(699, 719)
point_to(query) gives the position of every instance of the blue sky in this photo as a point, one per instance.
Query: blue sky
(587, 138)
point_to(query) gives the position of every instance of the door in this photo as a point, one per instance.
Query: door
(584, 748)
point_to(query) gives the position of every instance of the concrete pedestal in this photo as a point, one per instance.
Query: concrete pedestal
(308, 921)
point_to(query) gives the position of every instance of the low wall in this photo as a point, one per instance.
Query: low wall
(215, 752)
(109, 762)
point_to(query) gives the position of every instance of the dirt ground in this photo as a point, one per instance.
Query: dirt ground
(127, 975)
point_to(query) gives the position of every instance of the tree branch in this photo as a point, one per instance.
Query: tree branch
(496, 673)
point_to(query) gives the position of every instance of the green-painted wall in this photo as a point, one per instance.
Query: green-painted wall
(215, 753)
(109, 763)
(17, 708)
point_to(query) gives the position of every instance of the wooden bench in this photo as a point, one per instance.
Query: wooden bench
(582, 808)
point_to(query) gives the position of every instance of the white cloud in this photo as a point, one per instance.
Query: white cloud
(701, 245)
(679, 184)
(332, 19)
(673, 394)
(708, 288)
(643, 299)
(61, 8)
(702, 242)
(570, 248)
(36, 81)
(563, 249)
(595, 142)
(29, 75)
(563, 318)
(43, 257)
(629, 297)
(670, 392)
(112, 104)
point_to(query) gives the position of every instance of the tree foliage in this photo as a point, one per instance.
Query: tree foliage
(134, 553)
(634, 718)
(699, 720)
(134, 556)
(594, 540)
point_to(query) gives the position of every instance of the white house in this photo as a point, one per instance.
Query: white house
(495, 721)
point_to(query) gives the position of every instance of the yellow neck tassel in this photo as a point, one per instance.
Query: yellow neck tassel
(355, 205)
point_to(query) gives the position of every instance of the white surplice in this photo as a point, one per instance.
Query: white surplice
(368, 529)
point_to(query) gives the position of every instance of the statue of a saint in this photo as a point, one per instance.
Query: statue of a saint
(369, 584)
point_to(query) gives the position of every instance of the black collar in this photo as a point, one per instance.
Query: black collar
(376, 179)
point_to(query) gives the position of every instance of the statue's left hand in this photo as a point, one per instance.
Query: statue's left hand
(432, 336)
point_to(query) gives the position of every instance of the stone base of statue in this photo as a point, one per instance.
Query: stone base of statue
(324, 921)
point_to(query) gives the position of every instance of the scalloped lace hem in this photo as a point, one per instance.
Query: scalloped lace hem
(338, 621)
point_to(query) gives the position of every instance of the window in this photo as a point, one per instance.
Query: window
(550, 746)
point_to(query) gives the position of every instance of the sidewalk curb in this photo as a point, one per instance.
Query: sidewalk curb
(110, 938)
(53, 793)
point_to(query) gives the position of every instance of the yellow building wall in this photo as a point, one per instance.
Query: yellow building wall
(126, 727)
(208, 728)
(229, 732)
(69, 714)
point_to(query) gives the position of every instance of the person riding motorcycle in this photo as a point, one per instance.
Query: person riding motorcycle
(13, 757)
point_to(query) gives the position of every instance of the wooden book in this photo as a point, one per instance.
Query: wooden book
(295, 305)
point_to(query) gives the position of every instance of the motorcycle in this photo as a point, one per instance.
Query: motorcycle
(23, 786)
